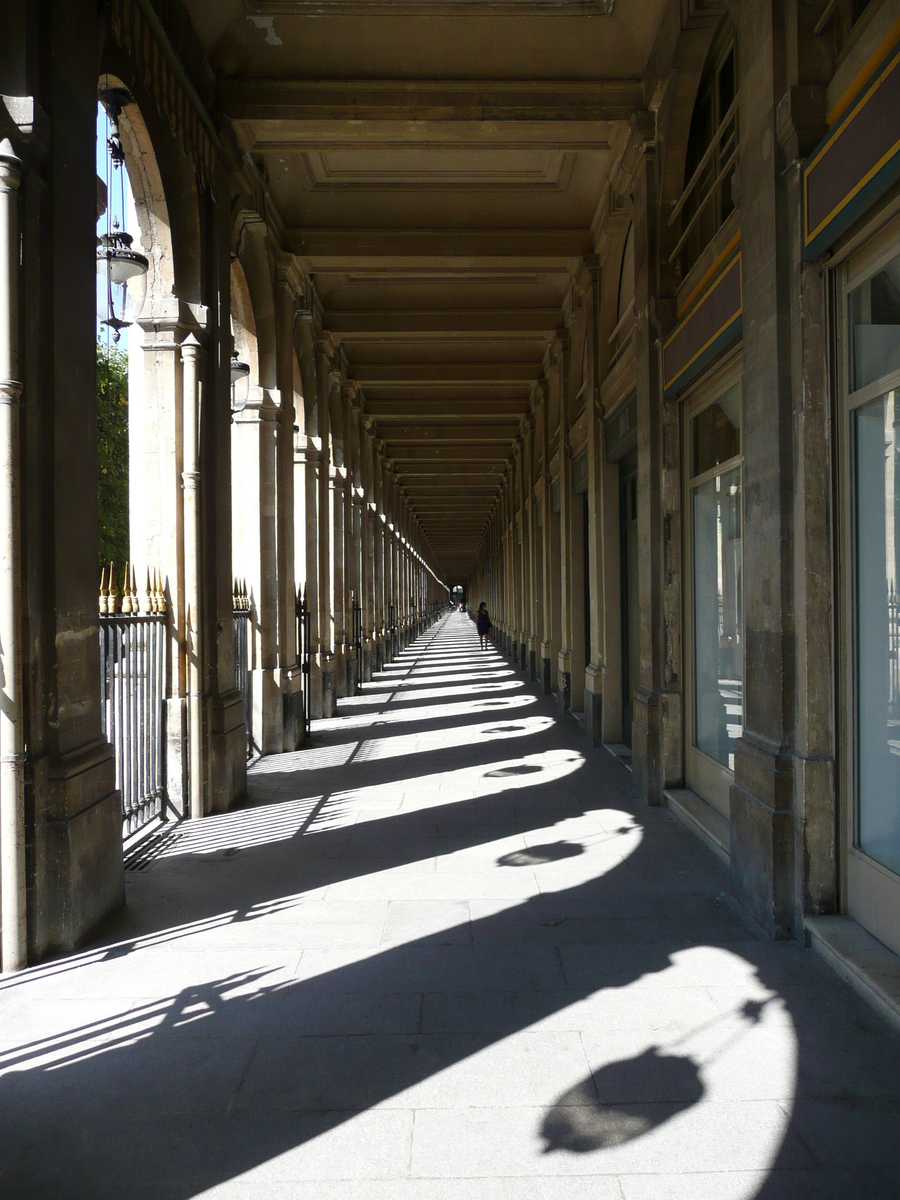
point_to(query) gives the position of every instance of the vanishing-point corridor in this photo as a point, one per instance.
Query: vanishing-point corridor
(442, 953)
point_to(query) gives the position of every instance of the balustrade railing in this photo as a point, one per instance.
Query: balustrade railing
(715, 169)
(132, 690)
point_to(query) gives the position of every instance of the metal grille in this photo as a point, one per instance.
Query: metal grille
(132, 683)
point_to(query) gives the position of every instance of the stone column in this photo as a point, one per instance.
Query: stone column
(288, 678)
(529, 651)
(254, 542)
(324, 373)
(307, 463)
(388, 561)
(595, 654)
(647, 733)
(12, 711)
(190, 476)
(307, 492)
(542, 428)
(337, 493)
(351, 543)
(378, 548)
(368, 553)
(564, 668)
(762, 822)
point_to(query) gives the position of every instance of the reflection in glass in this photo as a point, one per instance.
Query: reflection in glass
(718, 653)
(716, 432)
(877, 505)
(875, 327)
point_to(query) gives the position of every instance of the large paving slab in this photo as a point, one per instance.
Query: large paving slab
(441, 954)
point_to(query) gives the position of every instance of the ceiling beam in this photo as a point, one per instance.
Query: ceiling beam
(516, 102)
(361, 326)
(449, 431)
(486, 408)
(423, 373)
(459, 452)
(345, 249)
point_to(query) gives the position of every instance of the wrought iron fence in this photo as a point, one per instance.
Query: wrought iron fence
(357, 642)
(241, 629)
(304, 627)
(132, 689)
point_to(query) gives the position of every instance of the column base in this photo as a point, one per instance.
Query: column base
(547, 675)
(352, 676)
(593, 704)
(379, 654)
(367, 658)
(340, 672)
(532, 663)
(315, 688)
(762, 836)
(79, 874)
(564, 692)
(329, 700)
(646, 755)
(227, 751)
(292, 709)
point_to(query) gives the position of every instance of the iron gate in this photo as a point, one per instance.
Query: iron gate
(132, 683)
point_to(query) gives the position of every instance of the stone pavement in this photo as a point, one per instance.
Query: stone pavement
(443, 954)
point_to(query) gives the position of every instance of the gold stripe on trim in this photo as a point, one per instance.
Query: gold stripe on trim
(732, 245)
(885, 46)
(812, 234)
(706, 345)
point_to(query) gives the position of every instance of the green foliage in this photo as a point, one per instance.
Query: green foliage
(112, 455)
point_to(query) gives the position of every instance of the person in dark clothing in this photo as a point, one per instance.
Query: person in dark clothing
(483, 624)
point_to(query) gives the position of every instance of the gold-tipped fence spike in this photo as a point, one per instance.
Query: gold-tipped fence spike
(135, 598)
(126, 590)
(104, 593)
(148, 592)
(113, 590)
(161, 592)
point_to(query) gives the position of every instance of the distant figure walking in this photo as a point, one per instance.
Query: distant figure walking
(483, 624)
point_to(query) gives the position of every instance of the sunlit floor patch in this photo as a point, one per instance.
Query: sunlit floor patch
(443, 954)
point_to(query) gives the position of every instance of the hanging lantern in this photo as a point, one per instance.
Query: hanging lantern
(126, 278)
(240, 384)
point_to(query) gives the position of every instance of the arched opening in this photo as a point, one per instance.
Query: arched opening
(710, 170)
(141, 463)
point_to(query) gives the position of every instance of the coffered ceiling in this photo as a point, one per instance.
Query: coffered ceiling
(438, 167)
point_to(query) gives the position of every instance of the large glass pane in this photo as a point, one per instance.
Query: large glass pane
(875, 327)
(716, 432)
(718, 621)
(878, 629)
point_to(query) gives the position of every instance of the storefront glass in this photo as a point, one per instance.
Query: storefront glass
(716, 559)
(877, 627)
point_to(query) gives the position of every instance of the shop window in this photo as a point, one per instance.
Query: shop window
(715, 627)
(875, 327)
(877, 632)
